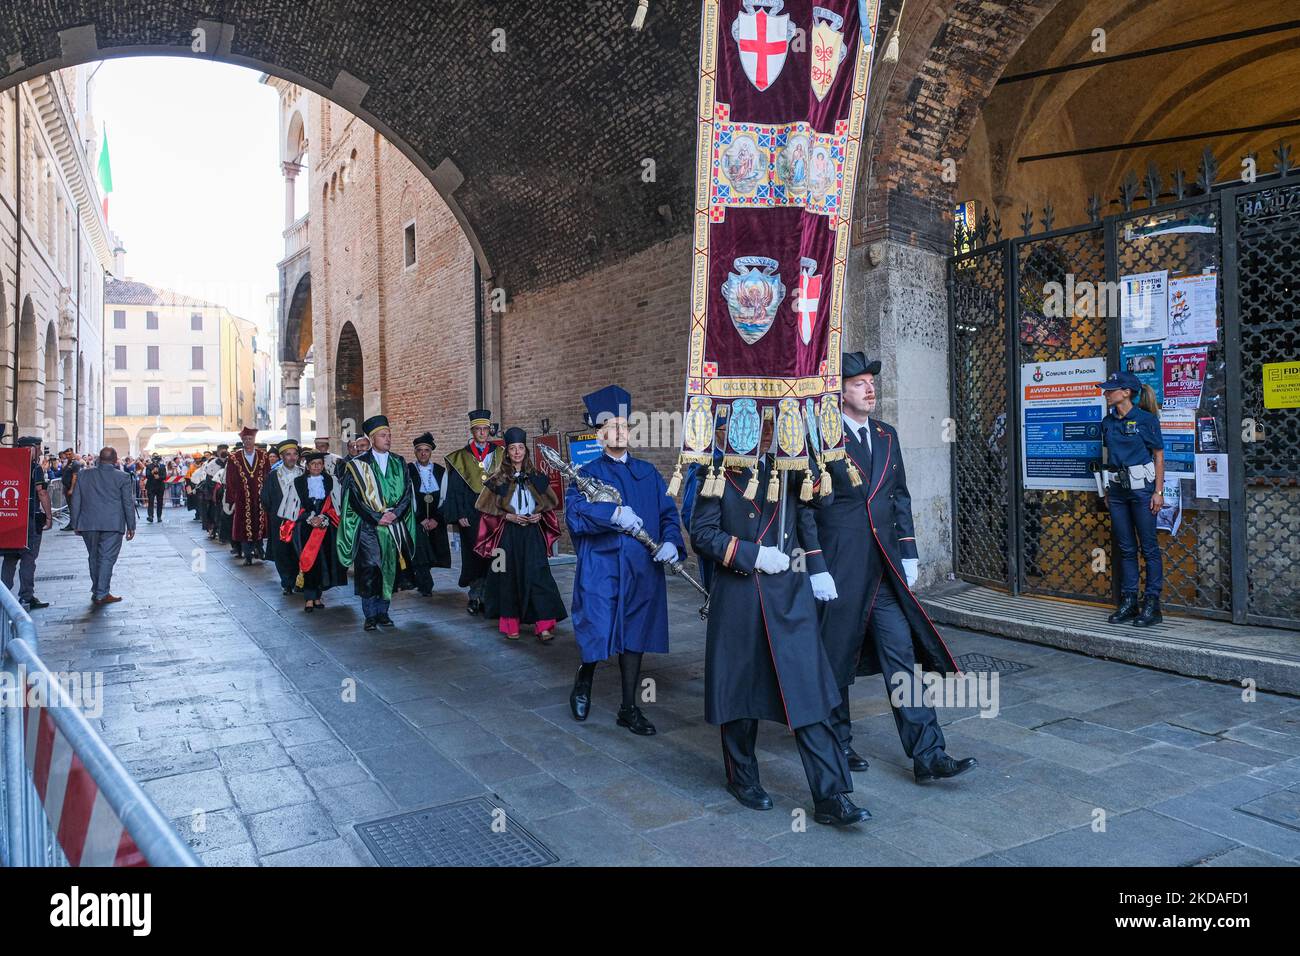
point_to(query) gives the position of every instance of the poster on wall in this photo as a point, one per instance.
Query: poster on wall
(1178, 429)
(1281, 384)
(1060, 423)
(1146, 362)
(1212, 476)
(1184, 377)
(1144, 307)
(1170, 516)
(583, 447)
(1193, 310)
(541, 464)
(15, 486)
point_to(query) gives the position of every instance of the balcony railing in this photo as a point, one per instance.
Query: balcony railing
(296, 237)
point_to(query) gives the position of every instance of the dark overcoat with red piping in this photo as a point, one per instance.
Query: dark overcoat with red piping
(763, 655)
(865, 531)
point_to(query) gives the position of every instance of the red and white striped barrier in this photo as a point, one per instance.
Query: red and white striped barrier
(85, 826)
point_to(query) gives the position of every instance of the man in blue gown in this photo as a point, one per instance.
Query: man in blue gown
(620, 600)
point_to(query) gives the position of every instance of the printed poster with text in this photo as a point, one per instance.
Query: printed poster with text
(1060, 423)
(1184, 377)
(1144, 307)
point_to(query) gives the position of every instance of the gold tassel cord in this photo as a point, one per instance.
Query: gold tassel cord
(855, 476)
(751, 489)
(806, 489)
(675, 483)
(638, 18)
(299, 581)
(827, 484)
(774, 487)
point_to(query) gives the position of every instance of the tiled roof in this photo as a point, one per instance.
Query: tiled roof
(119, 292)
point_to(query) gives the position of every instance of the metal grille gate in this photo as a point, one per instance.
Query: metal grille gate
(1237, 559)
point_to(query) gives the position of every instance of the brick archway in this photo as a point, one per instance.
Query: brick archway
(349, 383)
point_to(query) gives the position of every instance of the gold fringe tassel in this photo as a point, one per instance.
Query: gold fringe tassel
(855, 476)
(806, 489)
(299, 581)
(751, 489)
(675, 483)
(774, 487)
(827, 484)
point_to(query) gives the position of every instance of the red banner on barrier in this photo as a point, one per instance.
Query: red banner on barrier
(15, 488)
(557, 483)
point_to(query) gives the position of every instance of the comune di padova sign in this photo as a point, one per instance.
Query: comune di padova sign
(1060, 423)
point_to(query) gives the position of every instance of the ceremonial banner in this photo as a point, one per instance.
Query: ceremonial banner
(782, 99)
(15, 489)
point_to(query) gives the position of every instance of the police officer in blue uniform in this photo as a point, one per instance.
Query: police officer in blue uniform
(1136, 474)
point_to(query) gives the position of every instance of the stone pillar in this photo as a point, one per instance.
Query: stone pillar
(290, 171)
(896, 308)
(290, 376)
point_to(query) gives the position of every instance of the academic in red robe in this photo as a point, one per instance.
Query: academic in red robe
(244, 491)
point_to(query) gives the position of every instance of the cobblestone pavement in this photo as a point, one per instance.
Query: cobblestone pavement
(226, 699)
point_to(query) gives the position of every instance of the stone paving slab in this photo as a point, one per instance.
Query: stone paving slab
(266, 734)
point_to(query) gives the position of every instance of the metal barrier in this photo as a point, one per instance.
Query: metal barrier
(65, 799)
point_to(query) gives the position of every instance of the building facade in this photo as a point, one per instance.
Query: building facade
(175, 364)
(55, 250)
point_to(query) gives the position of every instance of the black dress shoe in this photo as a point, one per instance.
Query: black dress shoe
(634, 720)
(287, 590)
(839, 811)
(35, 604)
(755, 797)
(248, 562)
(371, 624)
(580, 698)
(942, 768)
(474, 607)
(383, 620)
(857, 762)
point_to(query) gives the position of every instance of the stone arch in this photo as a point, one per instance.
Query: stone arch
(349, 383)
(298, 335)
(523, 178)
(31, 376)
(52, 398)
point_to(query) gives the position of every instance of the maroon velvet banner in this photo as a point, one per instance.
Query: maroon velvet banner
(782, 100)
(15, 491)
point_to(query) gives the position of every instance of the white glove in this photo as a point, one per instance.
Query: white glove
(911, 570)
(626, 519)
(771, 560)
(823, 586)
(667, 552)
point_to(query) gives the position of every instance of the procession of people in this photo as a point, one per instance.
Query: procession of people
(805, 591)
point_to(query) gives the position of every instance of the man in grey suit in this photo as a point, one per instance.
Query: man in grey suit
(102, 510)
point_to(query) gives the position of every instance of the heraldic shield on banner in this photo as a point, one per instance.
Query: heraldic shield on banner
(775, 171)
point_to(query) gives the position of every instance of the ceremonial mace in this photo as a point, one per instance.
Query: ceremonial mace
(595, 490)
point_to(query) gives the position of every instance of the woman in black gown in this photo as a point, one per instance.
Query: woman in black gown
(314, 532)
(518, 508)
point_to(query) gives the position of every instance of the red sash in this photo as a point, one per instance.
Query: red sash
(307, 560)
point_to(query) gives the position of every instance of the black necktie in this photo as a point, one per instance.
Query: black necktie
(862, 435)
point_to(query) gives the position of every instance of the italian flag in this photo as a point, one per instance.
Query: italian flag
(105, 173)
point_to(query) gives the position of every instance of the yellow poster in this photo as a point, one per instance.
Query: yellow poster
(1282, 385)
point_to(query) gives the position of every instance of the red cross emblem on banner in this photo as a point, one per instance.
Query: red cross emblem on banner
(763, 40)
(710, 369)
(810, 290)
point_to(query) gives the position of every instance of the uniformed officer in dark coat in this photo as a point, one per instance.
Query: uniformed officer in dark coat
(764, 659)
(876, 625)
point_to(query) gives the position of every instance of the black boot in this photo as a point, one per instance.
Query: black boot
(580, 698)
(1150, 612)
(857, 762)
(839, 811)
(1127, 610)
(634, 720)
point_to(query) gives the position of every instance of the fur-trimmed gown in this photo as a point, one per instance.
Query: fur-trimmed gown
(521, 585)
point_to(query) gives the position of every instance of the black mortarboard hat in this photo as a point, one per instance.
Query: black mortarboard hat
(313, 456)
(513, 435)
(373, 424)
(853, 364)
(612, 401)
(425, 439)
(480, 416)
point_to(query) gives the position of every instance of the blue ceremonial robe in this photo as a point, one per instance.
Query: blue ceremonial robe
(620, 600)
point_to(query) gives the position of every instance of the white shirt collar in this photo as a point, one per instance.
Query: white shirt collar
(382, 458)
(622, 457)
(857, 427)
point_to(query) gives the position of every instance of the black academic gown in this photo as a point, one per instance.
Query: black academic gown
(432, 548)
(460, 503)
(763, 653)
(281, 552)
(865, 531)
(325, 571)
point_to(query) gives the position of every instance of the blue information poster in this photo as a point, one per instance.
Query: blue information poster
(1147, 363)
(583, 447)
(1060, 423)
